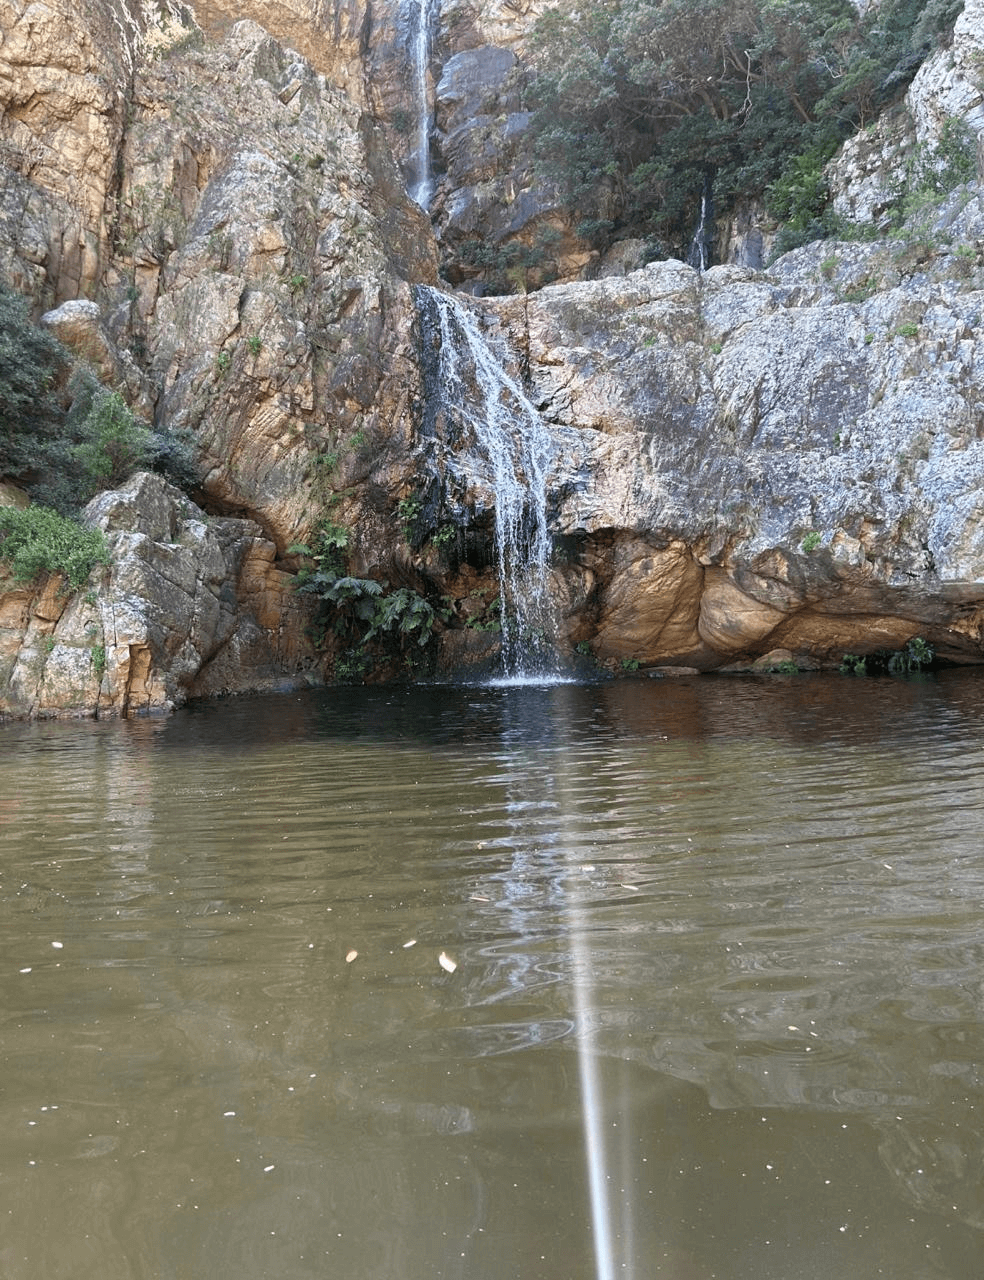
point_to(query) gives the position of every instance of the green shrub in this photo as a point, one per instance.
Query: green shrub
(114, 444)
(811, 541)
(403, 613)
(408, 513)
(37, 540)
(31, 418)
(913, 656)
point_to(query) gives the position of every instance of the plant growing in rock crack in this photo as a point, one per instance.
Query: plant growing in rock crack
(913, 656)
(490, 619)
(408, 513)
(444, 536)
(811, 541)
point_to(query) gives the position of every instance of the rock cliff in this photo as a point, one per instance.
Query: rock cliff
(747, 466)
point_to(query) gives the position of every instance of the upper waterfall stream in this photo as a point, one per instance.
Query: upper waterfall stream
(477, 396)
(419, 15)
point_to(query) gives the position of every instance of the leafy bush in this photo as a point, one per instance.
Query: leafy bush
(913, 656)
(933, 171)
(31, 418)
(64, 456)
(403, 613)
(114, 444)
(37, 540)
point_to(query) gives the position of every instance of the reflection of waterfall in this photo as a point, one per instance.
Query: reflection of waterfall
(699, 256)
(420, 16)
(542, 800)
(480, 399)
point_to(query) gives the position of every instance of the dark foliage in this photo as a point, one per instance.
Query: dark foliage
(639, 103)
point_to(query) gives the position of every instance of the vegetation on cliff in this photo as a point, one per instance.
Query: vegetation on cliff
(64, 437)
(642, 105)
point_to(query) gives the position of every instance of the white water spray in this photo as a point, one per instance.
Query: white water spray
(489, 405)
(420, 15)
(699, 256)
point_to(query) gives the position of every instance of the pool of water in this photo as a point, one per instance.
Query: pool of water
(636, 979)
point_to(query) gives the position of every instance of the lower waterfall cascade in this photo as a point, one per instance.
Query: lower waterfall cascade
(477, 393)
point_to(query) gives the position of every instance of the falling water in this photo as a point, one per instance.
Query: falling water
(488, 405)
(419, 40)
(699, 256)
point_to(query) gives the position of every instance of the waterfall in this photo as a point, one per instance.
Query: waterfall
(420, 17)
(699, 256)
(481, 402)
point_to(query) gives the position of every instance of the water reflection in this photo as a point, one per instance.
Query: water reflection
(754, 908)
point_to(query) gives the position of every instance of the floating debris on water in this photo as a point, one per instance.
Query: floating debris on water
(446, 963)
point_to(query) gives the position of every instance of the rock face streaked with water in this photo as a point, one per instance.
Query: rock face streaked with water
(741, 463)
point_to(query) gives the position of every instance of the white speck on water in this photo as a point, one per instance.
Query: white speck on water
(27, 970)
(228, 1113)
(268, 1167)
(58, 945)
(446, 963)
(411, 943)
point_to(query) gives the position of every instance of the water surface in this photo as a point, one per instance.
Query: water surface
(230, 1047)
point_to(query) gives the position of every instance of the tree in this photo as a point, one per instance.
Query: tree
(31, 417)
(640, 104)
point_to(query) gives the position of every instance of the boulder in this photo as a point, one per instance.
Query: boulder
(190, 604)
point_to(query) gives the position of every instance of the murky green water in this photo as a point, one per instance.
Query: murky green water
(757, 905)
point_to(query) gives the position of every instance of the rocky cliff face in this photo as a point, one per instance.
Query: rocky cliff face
(743, 462)
(785, 460)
